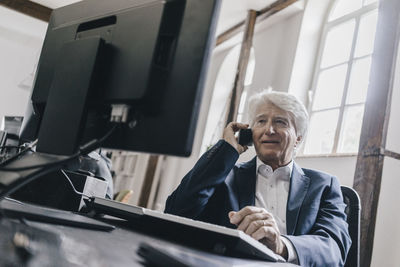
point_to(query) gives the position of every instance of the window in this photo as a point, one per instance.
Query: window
(341, 78)
(220, 99)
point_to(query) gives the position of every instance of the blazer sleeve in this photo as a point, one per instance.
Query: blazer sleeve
(328, 242)
(197, 187)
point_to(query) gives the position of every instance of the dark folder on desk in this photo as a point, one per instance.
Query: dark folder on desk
(219, 239)
(15, 209)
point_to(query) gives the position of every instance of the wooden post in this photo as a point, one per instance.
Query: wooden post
(148, 181)
(242, 66)
(28, 8)
(368, 174)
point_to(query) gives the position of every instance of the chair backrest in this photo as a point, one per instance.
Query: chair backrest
(353, 211)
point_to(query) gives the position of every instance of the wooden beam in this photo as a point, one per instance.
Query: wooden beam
(274, 8)
(148, 181)
(228, 34)
(261, 15)
(369, 167)
(28, 8)
(392, 154)
(238, 85)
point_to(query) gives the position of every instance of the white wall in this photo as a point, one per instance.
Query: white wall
(275, 48)
(342, 167)
(387, 231)
(21, 39)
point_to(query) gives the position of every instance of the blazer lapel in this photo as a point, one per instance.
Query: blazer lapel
(243, 183)
(299, 184)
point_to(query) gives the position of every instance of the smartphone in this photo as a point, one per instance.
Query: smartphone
(245, 137)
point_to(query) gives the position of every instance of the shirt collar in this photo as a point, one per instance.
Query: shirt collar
(284, 168)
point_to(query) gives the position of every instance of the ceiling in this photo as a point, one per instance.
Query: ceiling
(232, 11)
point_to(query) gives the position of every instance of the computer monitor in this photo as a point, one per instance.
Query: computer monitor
(142, 61)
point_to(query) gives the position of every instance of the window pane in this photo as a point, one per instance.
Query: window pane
(338, 44)
(367, 2)
(344, 7)
(366, 34)
(329, 89)
(322, 132)
(359, 81)
(351, 129)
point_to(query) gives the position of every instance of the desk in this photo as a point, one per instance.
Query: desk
(83, 247)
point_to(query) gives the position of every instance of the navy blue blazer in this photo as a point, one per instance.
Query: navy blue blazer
(315, 219)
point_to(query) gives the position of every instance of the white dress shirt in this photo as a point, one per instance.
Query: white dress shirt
(272, 191)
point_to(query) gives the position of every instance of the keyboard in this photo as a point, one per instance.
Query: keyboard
(191, 222)
(216, 238)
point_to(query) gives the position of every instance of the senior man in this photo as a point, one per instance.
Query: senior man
(298, 213)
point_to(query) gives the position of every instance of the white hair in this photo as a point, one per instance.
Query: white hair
(284, 101)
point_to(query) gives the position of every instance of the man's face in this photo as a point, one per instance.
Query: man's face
(274, 135)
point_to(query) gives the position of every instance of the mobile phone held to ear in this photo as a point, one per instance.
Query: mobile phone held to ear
(245, 137)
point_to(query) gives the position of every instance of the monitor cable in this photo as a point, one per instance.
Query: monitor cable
(85, 149)
(49, 167)
(72, 185)
(25, 149)
(10, 147)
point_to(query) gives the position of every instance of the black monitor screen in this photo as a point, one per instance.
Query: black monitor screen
(144, 59)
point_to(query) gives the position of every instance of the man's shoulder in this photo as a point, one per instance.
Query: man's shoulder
(319, 176)
(320, 179)
(246, 164)
(313, 172)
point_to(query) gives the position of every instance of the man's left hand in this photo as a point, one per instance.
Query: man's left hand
(261, 225)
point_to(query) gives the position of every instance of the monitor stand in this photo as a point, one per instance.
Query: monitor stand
(64, 116)
(67, 104)
(12, 180)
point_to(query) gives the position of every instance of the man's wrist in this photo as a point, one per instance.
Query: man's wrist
(291, 251)
(231, 145)
(283, 251)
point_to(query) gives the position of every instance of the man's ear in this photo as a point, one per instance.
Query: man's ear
(298, 140)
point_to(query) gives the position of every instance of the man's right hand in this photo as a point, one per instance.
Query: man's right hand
(260, 225)
(229, 135)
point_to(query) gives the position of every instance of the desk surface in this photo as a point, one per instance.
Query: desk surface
(83, 247)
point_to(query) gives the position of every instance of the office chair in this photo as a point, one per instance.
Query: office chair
(352, 211)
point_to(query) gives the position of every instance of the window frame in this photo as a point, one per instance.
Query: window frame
(241, 113)
(328, 25)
